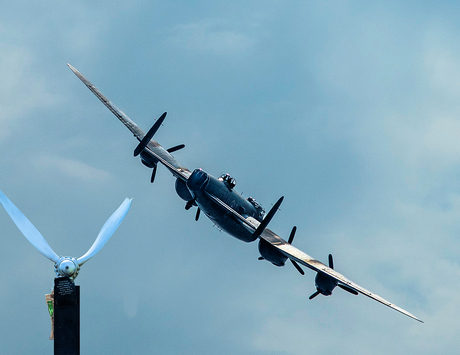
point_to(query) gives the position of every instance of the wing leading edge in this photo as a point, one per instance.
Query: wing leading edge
(153, 148)
(302, 258)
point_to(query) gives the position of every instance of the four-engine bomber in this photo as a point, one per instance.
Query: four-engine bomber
(242, 218)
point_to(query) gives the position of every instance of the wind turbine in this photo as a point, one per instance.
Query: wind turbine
(66, 294)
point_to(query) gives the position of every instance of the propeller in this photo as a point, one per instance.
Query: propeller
(28, 229)
(325, 284)
(290, 240)
(64, 265)
(343, 287)
(148, 137)
(189, 205)
(170, 150)
(175, 148)
(154, 171)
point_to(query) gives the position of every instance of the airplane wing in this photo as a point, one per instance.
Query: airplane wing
(153, 148)
(302, 258)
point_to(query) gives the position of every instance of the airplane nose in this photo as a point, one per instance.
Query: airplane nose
(198, 180)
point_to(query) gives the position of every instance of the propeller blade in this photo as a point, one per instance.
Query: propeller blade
(268, 218)
(331, 262)
(177, 147)
(154, 171)
(197, 214)
(107, 230)
(313, 295)
(348, 289)
(297, 266)
(28, 229)
(148, 137)
(291, 236)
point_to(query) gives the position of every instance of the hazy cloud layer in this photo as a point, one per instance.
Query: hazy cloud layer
(349, 109)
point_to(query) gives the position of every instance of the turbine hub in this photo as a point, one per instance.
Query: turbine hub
(67, 266)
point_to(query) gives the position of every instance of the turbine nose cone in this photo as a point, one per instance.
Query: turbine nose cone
(67, 267)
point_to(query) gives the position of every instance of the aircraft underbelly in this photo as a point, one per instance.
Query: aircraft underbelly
(236, 229)
(225, 220)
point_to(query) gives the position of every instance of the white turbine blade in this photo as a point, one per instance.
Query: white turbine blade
(28, 229)
(107, 230)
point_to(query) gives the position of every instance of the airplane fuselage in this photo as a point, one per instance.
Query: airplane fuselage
(205, 190)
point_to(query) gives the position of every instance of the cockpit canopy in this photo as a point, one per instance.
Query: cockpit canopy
(260, 210)
(229, 180)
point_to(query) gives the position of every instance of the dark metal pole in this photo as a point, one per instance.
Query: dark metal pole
(66, 317)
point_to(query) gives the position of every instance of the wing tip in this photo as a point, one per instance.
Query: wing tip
(71, 68)
(406, 313)
(417, 319)
(79, 75)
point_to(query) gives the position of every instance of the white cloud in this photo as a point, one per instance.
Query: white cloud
(211, 36)
(441, 63)
(442, 140)
(72, 168)
(21, 90)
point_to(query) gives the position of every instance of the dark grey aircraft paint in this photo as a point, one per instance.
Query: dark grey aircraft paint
(242, 218)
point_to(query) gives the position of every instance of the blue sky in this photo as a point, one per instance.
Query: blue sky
(349, 109)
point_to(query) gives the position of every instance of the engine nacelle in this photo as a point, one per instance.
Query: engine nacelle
(148, 160)
(197, 181)
(325, 284)
(182, 190)
(271, 253)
